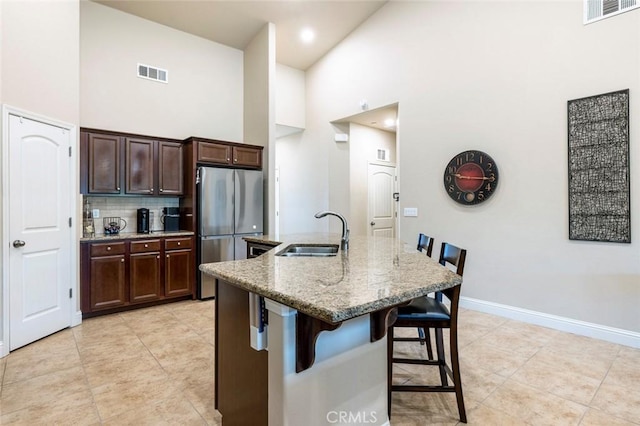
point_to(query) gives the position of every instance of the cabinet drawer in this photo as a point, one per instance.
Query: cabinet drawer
(177, 243)
(145, 246)
(107, 249)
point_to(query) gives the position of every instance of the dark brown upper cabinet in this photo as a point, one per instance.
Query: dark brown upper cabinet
(215, 153)
(231, 155)
(102, 158)
(117, 164)
(140, 167)
(247, 156)
(170, 168)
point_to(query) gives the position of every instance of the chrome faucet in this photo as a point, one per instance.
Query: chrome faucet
(345, 228)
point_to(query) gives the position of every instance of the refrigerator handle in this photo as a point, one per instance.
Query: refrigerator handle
(198, 175)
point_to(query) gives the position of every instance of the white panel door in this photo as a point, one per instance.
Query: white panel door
(39, 231)
(382, 205)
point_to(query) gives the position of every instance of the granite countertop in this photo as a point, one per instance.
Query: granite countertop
(136, 236)
(376, 273)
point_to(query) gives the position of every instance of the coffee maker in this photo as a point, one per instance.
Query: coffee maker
(143, 221)
(171, 218)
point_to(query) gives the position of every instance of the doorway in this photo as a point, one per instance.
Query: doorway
(382, 204)
(373, 140)
(39, 255)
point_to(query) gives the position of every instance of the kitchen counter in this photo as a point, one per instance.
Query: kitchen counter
(323, 349)
(376, 273)
(135, 235)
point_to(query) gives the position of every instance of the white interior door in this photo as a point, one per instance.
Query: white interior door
(40, 232)
(382, 205)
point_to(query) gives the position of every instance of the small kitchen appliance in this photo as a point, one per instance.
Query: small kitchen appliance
(143, 221)
(171, 218)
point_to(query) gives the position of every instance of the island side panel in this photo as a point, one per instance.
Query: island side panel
(241, 372)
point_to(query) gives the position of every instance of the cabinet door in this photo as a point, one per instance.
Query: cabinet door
(214, 153)
(103, 164)
(178, 273)
(144, 277)
(170, 168)
(107, 282)
(245, 156)
(139, 170)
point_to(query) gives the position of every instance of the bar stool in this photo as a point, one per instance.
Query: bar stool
(425, 244)
(427, 312)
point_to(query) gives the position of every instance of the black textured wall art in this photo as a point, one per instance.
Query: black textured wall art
(599, 197)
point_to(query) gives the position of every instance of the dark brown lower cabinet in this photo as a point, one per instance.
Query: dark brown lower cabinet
(107, 282)
(240, 371)
(178, 272)
(145, 277)
(121, 274)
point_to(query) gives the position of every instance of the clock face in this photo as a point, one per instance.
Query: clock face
(471, 177)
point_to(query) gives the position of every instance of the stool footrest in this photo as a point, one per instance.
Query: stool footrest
(417, 388)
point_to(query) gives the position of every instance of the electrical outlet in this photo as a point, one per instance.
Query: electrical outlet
(95, 213)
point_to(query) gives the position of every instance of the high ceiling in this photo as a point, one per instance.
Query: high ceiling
(235, 23)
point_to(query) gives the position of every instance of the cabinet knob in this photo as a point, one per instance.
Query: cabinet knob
(167, 256)
(151, 190)
(118, 188)
(178, 242)
(146, 245)
(161, 190)
(158, 257)
(121, 260)
(228, 159)
(109, 248)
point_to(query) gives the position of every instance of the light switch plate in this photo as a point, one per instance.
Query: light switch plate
(95, 213)
(410, 212)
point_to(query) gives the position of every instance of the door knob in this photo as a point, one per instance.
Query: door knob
(373, 223)
(18, 243)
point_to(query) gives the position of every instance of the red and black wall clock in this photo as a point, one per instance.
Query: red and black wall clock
(471, 177)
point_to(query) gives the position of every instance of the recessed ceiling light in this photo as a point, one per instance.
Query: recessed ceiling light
(389, 122)
(307, 35)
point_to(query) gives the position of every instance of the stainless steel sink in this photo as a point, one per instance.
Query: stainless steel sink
(315, 250)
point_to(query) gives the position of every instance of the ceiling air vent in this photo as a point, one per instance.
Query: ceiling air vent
(383, 155)
(595, 10)
(153, 73)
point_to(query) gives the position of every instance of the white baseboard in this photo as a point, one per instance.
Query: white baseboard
(76, 319)
(582, 328)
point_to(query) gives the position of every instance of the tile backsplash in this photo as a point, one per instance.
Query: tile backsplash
(127, 208)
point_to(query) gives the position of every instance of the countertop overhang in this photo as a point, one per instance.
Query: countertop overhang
(376, 273)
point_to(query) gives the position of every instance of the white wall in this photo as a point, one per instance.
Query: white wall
(290, 98)
(259, 109)
(303, 191)
(40, 61)
(493, 76)
(363, 145)
(39, 69)
(204, 96)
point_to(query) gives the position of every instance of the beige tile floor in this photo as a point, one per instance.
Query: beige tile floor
(155, 367)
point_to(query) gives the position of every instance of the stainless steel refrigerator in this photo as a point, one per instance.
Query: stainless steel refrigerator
(230, 206)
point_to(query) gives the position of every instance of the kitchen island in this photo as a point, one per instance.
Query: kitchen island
(327, 319)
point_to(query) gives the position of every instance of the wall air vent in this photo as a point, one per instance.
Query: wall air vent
(595, 10)
(383, 155)
(153, 73)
